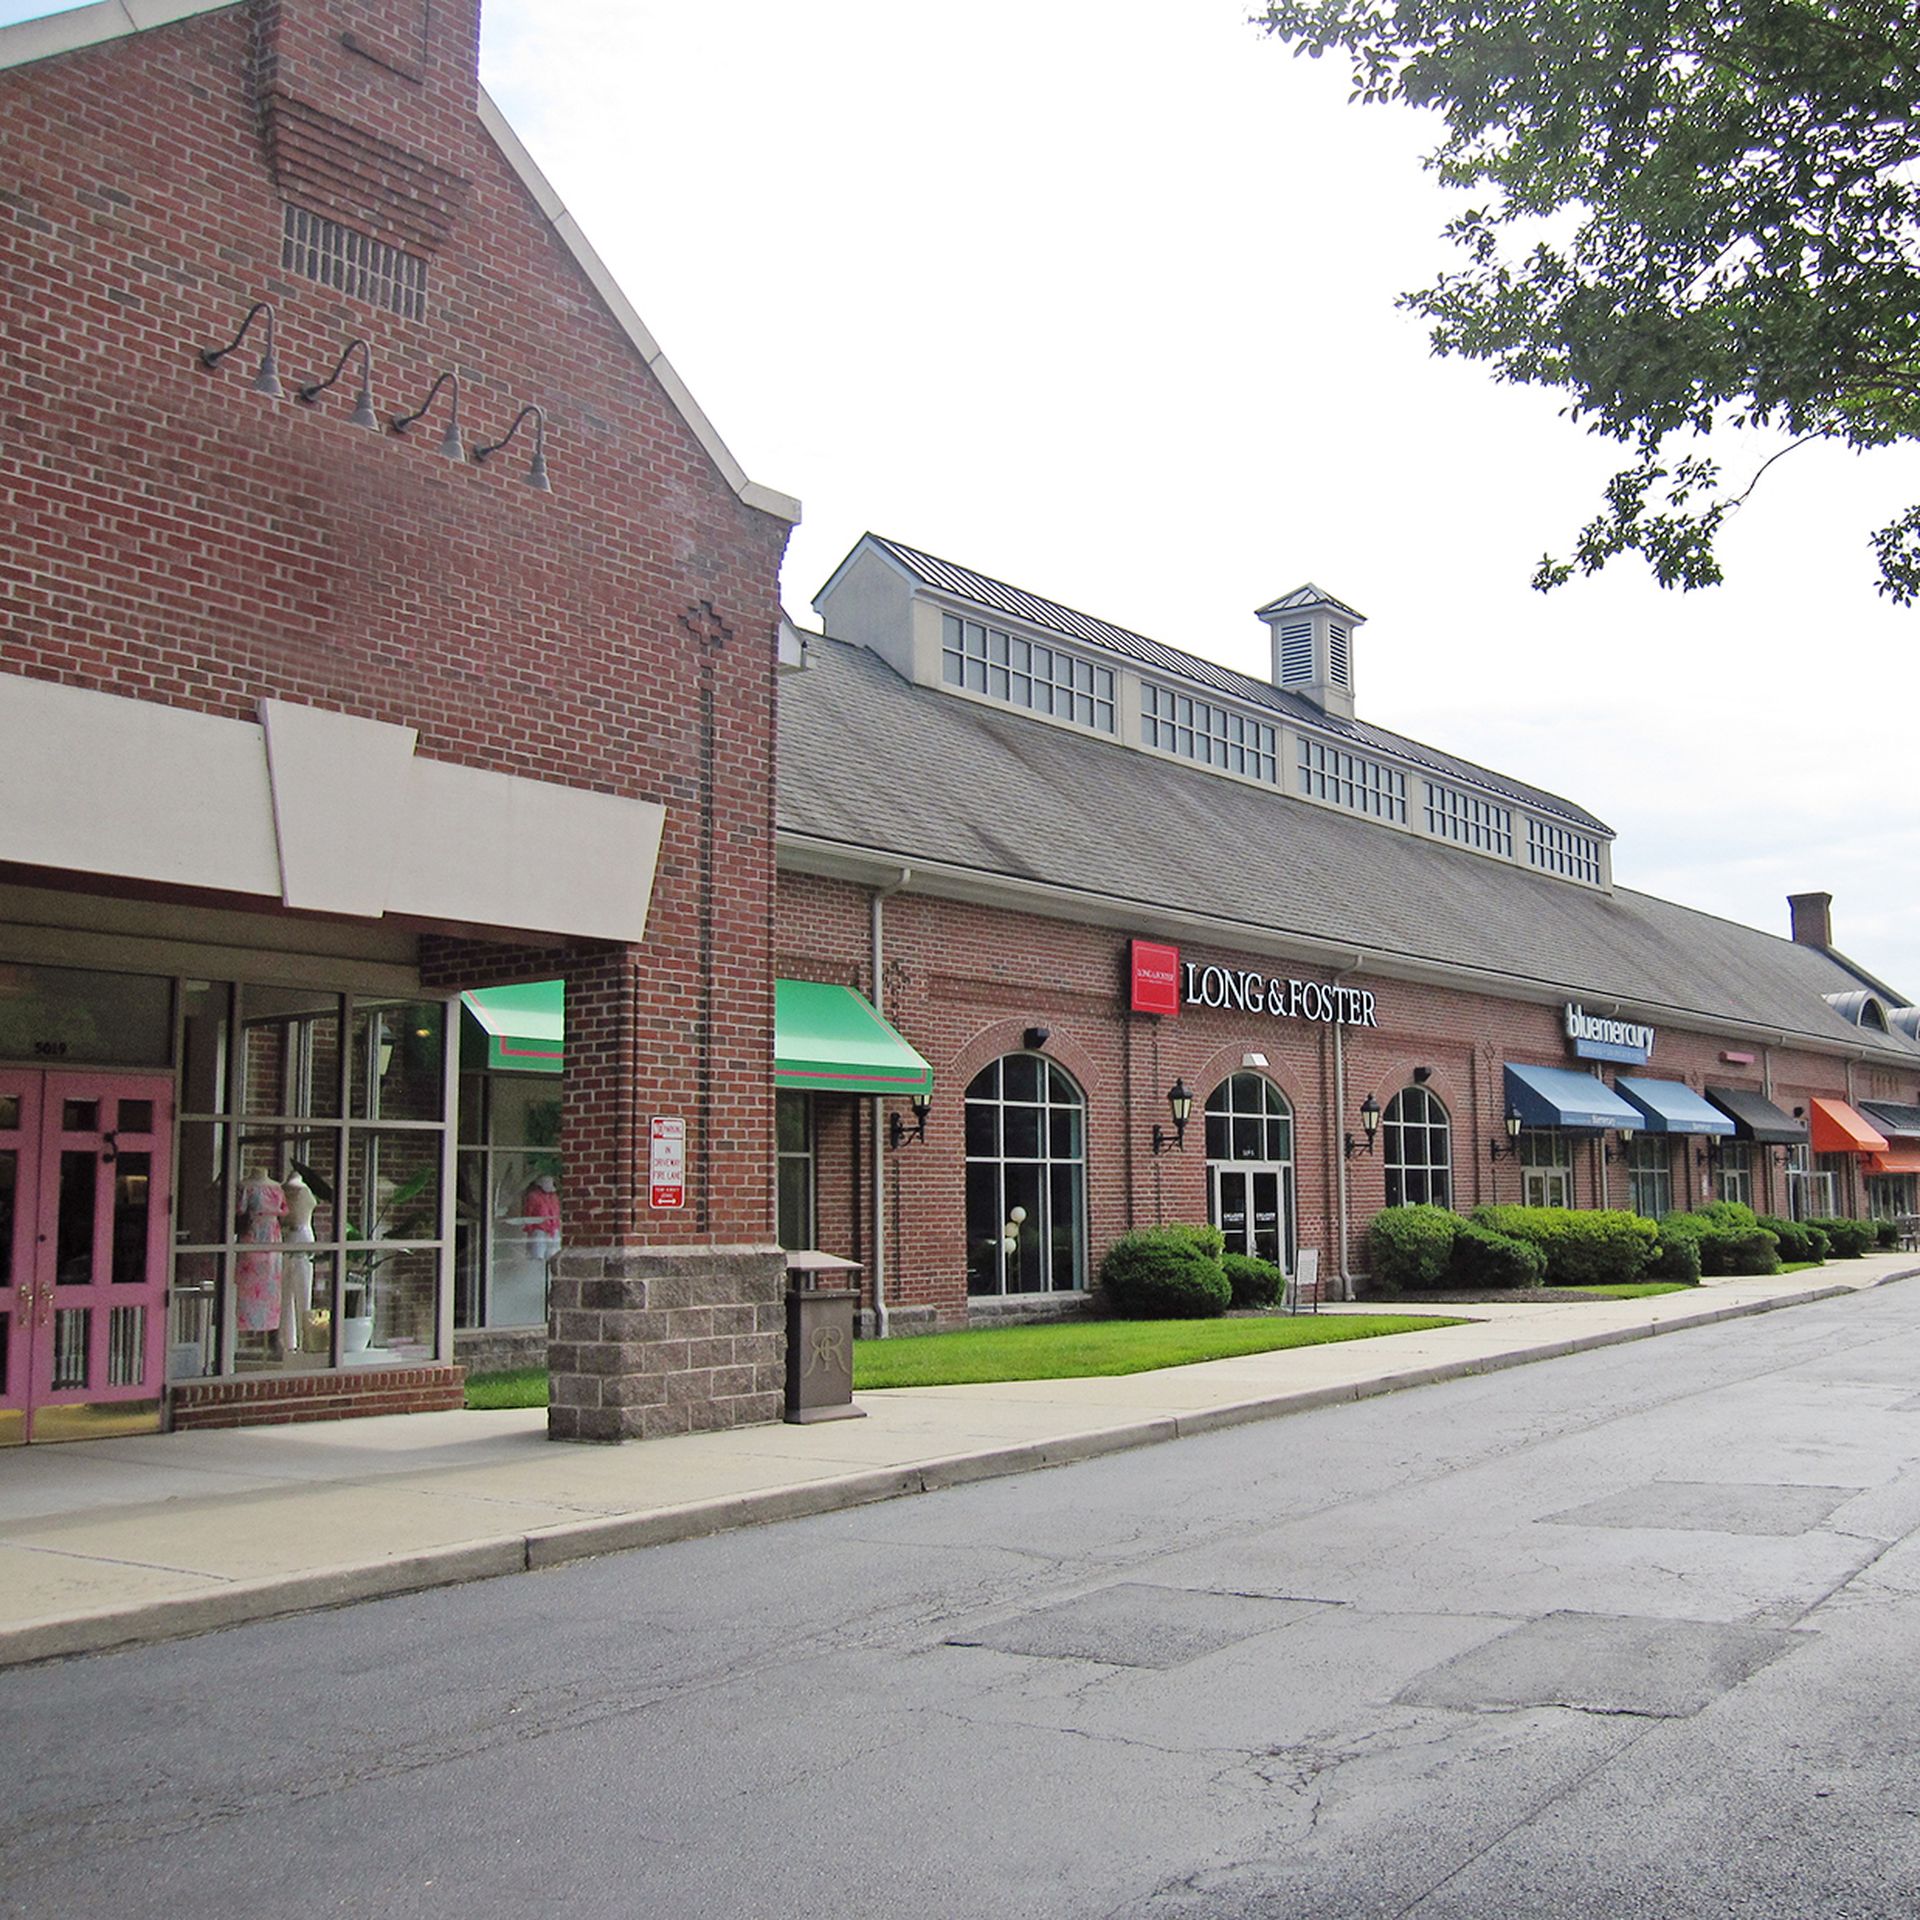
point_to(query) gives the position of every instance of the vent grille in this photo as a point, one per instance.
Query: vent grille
(321, 249)
(1341, 656)
(1296, 653)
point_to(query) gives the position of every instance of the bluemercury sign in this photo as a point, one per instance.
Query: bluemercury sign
(1597, 1039)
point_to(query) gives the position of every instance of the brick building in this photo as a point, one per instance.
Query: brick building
(1080, 872)
(374, 594)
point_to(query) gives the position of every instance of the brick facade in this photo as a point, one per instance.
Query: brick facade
(176, 537)
(965, 981)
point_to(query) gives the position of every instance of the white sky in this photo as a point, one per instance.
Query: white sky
(1100, 300)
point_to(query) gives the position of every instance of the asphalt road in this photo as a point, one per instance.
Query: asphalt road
(1631, 1633)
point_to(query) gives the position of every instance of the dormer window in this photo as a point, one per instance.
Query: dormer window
(1024, 673)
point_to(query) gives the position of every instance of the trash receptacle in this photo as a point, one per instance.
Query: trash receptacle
(820, 1318)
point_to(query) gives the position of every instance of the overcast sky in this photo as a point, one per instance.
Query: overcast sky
(1100, 300)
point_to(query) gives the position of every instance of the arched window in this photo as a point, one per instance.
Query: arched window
(1250, 1167)
(1418, 1148)
(1026, 1178)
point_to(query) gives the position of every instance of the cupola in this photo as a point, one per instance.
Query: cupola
(1313, 647)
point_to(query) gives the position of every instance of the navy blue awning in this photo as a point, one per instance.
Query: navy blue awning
(1671, 1107)
(1560, 1097)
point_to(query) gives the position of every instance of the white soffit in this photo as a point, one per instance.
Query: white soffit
(132, 788)
(322, 811)
(339, 786)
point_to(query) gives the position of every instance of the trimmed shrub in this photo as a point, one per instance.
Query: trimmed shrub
(1678, 1257)
(1582, 1249)
(1729, 1239)
(1412, 1246)
(1166, 1273)
(1255, 1282)
(1483, 1258)
(1885, 1233)
(1799, 1239)
(1849, 1239)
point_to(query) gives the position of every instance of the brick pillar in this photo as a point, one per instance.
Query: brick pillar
(653, 1327)
(647, 1342)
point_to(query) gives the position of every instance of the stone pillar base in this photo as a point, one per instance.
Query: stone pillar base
(650, 1342)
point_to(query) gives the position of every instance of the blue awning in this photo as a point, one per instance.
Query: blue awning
(1671, 1107)
(1560, 1097)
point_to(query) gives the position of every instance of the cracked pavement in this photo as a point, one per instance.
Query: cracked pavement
(1629, 1632)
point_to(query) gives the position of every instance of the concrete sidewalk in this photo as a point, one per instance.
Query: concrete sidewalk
(111, 1542)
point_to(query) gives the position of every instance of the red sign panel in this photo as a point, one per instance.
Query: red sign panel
(1156, 977)
(667, 1164)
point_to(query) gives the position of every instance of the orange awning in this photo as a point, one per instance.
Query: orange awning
(1838, 1129)
(1896, 1160)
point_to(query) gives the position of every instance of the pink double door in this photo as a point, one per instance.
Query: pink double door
(85, 1166)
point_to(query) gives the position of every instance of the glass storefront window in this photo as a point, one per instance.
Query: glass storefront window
(72, 1016)
(793, 1136)
(508, 1198)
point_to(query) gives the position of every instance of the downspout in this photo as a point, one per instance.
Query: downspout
(878, 1264)
(1336, 1142)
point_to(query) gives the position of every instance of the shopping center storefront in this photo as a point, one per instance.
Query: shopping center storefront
(1180, 944)
(362, 680)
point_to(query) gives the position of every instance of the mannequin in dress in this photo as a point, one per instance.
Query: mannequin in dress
(296, 1269)
(263, 1205)
(540, 1211)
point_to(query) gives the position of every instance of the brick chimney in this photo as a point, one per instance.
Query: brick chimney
(1812, 918)
(368, 110)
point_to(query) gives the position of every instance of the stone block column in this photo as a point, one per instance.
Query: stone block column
(647, 1342)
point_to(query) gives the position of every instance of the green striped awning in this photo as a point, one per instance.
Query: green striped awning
(526, 1024)
(831, 1040)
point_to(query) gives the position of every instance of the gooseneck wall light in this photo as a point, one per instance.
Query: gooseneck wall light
(1369, 1125)
(898, 1132)
(267, 377)
(1180, 1105)
(363, 414)
(537, 467)
(451, 444)
(1511, 1149)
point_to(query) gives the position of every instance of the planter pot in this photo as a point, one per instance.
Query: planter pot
(356, 1333)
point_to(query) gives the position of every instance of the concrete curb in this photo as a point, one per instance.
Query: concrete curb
(180, 1616)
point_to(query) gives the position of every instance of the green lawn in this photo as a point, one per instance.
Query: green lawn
(1062, 1350)
(522, 1387)
(1630, 1289)
(1081, 1349)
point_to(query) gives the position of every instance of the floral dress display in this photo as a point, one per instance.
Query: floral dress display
(257, 1274)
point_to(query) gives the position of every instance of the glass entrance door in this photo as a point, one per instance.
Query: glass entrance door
(1251, 1207)
(84, 1205)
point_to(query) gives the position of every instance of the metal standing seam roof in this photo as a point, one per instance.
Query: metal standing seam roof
(1017, 604)
(872, 764)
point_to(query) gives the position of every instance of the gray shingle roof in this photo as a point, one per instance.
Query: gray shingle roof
(870, 762)
(1048, 615)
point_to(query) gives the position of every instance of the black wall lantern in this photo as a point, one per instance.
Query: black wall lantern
(1511, 1151)
(1180, 1105)
(897, 1129)
(1369, 1126)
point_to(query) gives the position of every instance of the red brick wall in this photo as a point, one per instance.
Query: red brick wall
(964, 982)
(173, 536)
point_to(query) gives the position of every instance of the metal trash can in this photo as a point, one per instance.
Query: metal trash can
(820, 1321)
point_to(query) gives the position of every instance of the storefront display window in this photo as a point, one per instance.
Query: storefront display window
(309, 1202)
(508, 1213)
(1417, 1143)
(1650, 1175)
(1026, 1178)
